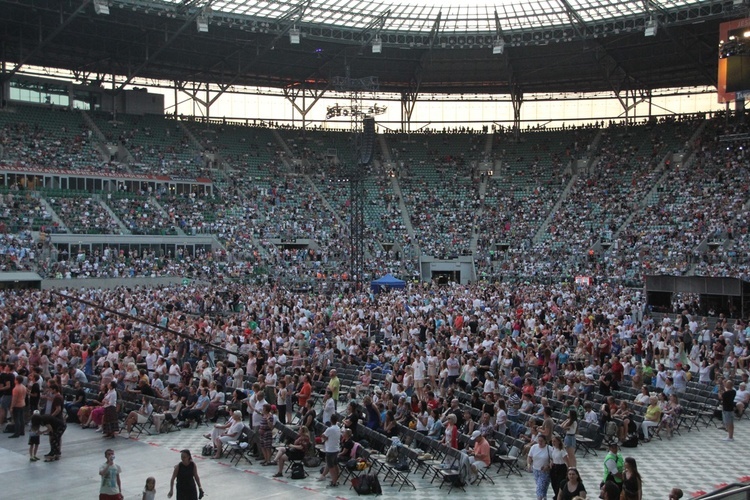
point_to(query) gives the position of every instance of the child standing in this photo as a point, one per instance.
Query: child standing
(34, 440)
(149, 492)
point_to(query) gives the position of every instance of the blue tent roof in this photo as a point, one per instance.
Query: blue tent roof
(387, 281)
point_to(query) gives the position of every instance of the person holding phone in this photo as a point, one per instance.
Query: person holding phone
(110, 488)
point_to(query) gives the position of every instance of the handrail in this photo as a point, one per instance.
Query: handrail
(728, 491)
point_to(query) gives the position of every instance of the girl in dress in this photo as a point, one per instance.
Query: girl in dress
(149, 491)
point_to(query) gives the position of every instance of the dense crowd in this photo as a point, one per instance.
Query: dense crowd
(630, 212)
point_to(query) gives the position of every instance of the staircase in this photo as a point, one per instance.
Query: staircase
(281, 142)
(55, 218)
(158, 206)
(112, 214)
(488, 142)
(478, 215)
(102, 144)
(563, 196)
(385, 150)
(405, 213)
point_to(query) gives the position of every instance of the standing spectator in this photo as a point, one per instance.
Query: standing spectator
(186, 475)
(6, 390)
(332, 446)
(18, 405)
(614, 464)
(55, 428)
(334, 385)
(572, 487)
(110, 488)
(727, 407)
(110, 423)
(538, 462)
(632, 489)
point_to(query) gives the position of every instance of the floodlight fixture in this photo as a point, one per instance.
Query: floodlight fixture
(652, 26)
(101, 7)
(201, 24)
(498, 46)
(377, 45)
(294, 36)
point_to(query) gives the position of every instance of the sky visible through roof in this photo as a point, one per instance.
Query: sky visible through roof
(456, 16)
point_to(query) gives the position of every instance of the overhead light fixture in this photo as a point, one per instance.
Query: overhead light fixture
(101, 7)
(294, 35)
(652, 26)
(377, 45)
(201, 23)
(498, 46)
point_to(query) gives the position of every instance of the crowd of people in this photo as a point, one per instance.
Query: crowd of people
(633, 212)
(514, 349)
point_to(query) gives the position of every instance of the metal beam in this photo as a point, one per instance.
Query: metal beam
(161, 49)
(43, 43)
(375, 27)
(293, 92)
(287, 21)
(409, 97)
(576, 21)
(650, 6)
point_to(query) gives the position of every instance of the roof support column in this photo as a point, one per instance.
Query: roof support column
(516, 99)
(408, 101)
(293, 93)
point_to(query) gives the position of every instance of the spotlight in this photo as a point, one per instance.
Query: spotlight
(294, 35)
(101, 7)
(651, 27)
(498, 46)
(201, 24)
(377, 45)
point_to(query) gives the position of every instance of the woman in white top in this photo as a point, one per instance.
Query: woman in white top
(559, 456)
(539, 461)
(489, 384)
(424, 420)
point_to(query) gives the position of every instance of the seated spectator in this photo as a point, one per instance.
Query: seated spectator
(651, 418)
(224, 433)
(295, 451)
(140, 416)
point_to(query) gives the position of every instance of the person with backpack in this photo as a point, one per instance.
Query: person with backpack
(295, 451)
(614, 464)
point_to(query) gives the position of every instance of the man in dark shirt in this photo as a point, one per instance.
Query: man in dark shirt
(727, 408)
(6, 390)
(79, 400)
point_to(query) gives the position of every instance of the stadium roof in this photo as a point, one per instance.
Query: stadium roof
(427, 46)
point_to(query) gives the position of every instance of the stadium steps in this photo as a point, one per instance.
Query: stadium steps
(542, 231)
(479, 212)
(488, 142)
(384, 150)
(158, 206)
(51, 211)
(112, 214)
(405, 213)
(281, 142)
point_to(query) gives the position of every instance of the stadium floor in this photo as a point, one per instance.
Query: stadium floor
(695, 461)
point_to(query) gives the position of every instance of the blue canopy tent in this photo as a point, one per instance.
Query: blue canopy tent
(386, 282)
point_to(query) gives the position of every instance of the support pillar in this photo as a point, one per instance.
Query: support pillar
(516, 99)
(408, 102)
(296, 93)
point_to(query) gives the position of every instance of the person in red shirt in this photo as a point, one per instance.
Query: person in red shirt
(304, 393)
(617, 369)
(18, 407)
